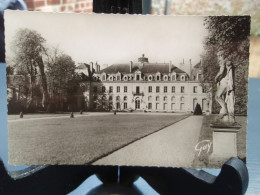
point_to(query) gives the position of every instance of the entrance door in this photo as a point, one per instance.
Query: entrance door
(137, 104)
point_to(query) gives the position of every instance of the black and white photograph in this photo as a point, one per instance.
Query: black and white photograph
(136, 90)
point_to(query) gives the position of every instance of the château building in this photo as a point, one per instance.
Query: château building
(145, 86)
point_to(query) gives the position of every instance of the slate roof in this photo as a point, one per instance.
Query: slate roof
(147, 68)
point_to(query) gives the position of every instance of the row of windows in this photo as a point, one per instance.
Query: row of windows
(150, 89)
(137, 77)
(157, 98)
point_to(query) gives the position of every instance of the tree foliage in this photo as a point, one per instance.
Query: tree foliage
(29, 47)
(229, 34)
(43, 78)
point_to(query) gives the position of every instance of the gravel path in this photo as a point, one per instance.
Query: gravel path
(172, 146)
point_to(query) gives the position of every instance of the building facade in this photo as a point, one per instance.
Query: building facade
(145, 86)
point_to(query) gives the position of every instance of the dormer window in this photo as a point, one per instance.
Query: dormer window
(110, 78)
(150, 78)
(158, 76)
(183, 77)
(173, 77)
(165, 77)
(125, 78)
(103, 77)
(137, 75)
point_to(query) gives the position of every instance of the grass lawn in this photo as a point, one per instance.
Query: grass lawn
(207, 134)
(79, 140)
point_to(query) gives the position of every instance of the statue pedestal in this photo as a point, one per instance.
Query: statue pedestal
(224, 140)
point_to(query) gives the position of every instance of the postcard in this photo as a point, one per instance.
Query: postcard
(135, 90)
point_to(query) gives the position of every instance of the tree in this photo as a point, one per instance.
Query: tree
(29, 47)
(229, 34)
(61, 77)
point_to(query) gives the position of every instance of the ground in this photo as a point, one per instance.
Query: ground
(155, 139)
(80, 140)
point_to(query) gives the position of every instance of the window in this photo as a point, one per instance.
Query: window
(173, 77)
(173, 106)
(149, 105)
(158, 78)
(118, 77)
(157, 89)
(95, 89)
(150, 78)
(182, 99)
(103, 89)
(150, 98)
(157, 98)
(173, 89)
(110, 98)
(195, 89)
(125, 98)
(165, 89)
(95, 97)
(125, 105)
(183, 78)
(118, 89)
(125, 89)
(165, 78)
(157, 106)
(165, 98)
(110, 89)
(165, 106)
(118, 106)
(137, 77)
(199, 77)
(182, 89)
(103, 77)
(203, 90)
(137, 89)
(150, 89)
(117, 98)
(173, 99)
(110, 106)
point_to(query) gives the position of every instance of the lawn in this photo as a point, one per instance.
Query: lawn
(207, 134)
(79, 140)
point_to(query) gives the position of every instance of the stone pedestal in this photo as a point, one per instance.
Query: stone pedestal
(224, 140)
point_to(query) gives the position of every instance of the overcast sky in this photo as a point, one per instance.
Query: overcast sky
(110, 39)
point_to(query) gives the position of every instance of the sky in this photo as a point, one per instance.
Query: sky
(109, 39)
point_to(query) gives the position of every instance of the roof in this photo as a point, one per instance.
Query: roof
(146, 68)
(82, 66)
(197, 65)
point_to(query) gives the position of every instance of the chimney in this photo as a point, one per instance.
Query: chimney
(131, 66)
(190, 67)
(170, 66)
(96, 67)
(91, 67)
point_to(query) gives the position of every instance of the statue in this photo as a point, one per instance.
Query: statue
(225, 90)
